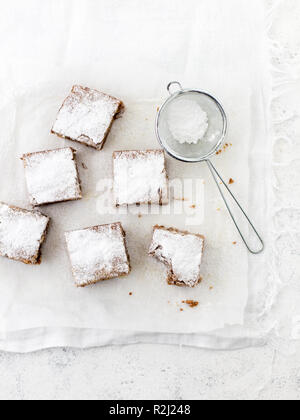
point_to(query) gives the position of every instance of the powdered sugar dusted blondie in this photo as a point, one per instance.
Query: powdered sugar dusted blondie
(86, 116)
(52, 176)
(181, 252)
(140, 177)
(22, 233)
(98, 253)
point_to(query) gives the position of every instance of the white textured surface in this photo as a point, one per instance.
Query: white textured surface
(259, 373)
(150, 372)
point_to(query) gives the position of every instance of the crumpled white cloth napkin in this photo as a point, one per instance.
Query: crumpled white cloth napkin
(132, 50)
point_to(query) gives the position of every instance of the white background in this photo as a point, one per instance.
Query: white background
(129, 372)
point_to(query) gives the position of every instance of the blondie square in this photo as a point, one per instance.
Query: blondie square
(181, 252)
(22, 233)
(98, 253)
(140, 177)
(52, 176)
(86, 116)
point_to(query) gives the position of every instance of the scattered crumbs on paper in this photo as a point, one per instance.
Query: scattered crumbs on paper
(84, 166)
(181, 199)
(225, 147)
(191, 303)
(231, 181)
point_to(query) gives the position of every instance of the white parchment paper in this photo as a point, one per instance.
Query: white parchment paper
(131, 49)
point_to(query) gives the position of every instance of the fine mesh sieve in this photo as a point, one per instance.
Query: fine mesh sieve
(205, 148)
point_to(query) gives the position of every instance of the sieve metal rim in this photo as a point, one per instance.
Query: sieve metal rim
(172, 97)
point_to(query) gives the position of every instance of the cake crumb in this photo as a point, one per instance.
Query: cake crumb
(84, 166)
(140, 215)
(211, 288)
(191, 303)
(226, 145)
(219, 209)
(234, 243)
(193, 206)
(181, 199)
(181, 310)
(231, 181)
(130, 294)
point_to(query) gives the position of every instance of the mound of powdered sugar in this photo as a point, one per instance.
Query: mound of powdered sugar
(187, 121)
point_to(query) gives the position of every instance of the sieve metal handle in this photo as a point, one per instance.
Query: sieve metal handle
(172, 84)
(216, 175)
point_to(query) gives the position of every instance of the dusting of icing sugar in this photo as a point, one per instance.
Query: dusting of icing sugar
(97, 254)
(21, 233)
(52, 176)
(140, 177)
(187, 121)
(181, 252)
(86, 116)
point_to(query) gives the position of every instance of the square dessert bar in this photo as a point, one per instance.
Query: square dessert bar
(140, 177)
(22, 233)
(52, 176)
(181, 252)
(98, 253)
(86, 116)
